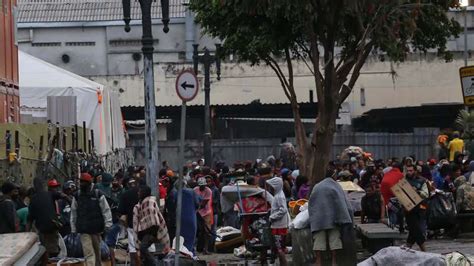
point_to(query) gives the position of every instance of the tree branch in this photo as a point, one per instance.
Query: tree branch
(291, 87)
(347, 89)
(274, 65)
(318, 77)
(302, 57)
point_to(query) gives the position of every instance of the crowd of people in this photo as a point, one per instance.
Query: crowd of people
(99, 205)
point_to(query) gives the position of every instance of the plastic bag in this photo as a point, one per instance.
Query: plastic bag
(62, 247)
(73, 246)
(301, 220)
(457, 259)
(441, 211)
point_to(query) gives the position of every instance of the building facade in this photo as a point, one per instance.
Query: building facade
(87, 37)
(9, 94)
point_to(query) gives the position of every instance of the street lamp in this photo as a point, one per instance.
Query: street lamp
(207, 59)
(151, 147)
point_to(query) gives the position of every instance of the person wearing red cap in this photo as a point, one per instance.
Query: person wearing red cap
(90, 217)
(53, 183)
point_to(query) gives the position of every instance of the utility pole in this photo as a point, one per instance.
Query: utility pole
(151, 146)
(207, 59)
(465, 52)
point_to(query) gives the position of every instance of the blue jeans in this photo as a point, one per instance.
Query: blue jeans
(112, 235)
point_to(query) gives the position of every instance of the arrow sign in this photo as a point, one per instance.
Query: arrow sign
(187, 85)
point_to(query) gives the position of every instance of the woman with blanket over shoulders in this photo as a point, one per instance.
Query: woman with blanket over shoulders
(329, 214)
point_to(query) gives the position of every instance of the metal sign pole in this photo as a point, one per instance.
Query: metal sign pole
(180, 183)
(187, 87)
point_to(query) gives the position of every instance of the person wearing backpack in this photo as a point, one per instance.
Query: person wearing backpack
(90, 217)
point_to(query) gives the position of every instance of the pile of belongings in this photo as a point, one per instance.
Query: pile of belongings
(354, 152)
(405, 256)
(228, 238)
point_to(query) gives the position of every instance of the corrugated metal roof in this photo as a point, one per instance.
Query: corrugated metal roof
(87, 10)
(140, 122)
(266, 119)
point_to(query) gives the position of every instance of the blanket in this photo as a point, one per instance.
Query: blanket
(328, 206)
(399, 256)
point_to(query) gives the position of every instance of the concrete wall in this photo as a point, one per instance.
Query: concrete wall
(420, 80)
(86, 48)
(113, 48)
(420, 143)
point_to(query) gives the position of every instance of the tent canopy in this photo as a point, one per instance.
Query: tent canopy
(96, 105)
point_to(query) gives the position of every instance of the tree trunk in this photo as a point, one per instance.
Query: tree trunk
(322, 144)
(303, 149)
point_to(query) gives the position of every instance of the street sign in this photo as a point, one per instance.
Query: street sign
(187, 88)
(187, 85)
(467, 84)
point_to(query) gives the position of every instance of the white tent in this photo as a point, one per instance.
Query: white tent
(97, 106)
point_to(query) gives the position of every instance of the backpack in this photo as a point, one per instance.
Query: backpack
(441, 211)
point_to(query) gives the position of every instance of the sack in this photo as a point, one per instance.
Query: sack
(457, 259)
(73, 245)
(301, 220)
(441, 211)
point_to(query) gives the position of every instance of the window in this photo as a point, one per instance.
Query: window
(80, 43)
(362, 96)
(45, 44)
(133, 42)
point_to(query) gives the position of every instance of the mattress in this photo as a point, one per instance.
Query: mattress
(14, 246)
(32, 256)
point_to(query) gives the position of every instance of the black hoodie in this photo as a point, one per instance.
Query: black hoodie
(7, 215)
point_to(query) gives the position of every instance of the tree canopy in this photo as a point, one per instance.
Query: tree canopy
(333, 38)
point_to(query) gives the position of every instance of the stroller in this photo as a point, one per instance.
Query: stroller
(256, 227)
(254, 211)
(261, 240)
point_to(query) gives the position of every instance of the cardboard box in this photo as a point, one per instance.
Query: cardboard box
(406, 194)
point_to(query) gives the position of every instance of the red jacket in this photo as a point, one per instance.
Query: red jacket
(389, 180)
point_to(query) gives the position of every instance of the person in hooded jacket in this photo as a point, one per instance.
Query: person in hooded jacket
(279, 216)
(8, 220)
